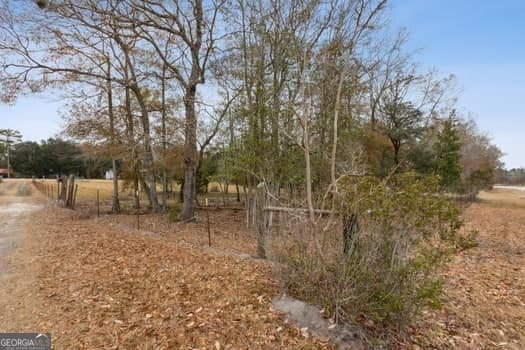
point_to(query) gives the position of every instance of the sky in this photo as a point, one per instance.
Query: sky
(481, 42)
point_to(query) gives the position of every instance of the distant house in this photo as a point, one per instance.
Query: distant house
(109, 174)
(4, 173)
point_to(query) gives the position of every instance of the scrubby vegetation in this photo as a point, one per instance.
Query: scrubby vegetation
(396, 234)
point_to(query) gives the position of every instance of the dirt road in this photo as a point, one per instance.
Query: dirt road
(16, 206)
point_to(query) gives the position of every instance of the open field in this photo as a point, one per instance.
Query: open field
(484, 304)
(87, 193)
(503, 196)
(101, 283)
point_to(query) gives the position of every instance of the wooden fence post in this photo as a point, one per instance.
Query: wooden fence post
(63, 189)
(74, 197)
(98, 202)
(69, 191)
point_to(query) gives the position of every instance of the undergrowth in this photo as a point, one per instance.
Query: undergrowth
(388, 270)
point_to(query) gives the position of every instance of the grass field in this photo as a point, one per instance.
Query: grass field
(503, 197)
(87, 193)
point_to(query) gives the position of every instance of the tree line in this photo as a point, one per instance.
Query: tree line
(292, 93)
(52, 158)
(515, 176)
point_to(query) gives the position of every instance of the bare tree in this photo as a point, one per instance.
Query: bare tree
(9, 137)
(187, 29)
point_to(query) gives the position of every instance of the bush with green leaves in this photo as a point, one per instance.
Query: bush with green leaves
(389, 271)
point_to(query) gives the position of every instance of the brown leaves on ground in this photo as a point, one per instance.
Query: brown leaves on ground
(100, 288)
(98, 284)
(227, 229)
(484, 306)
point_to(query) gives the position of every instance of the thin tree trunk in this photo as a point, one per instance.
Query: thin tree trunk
(115, 204)
(131, 140)
(190, 153)
(115, 208)
(144, 117)
(136, 189)
(350, 230)
(306, 140)
(164, 142)
(148, 152)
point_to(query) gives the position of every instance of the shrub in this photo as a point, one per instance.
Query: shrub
(467, 241)
(388, 270)
(173, 213)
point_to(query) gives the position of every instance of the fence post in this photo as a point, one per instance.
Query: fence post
(208, 222)
(74, 197)
(98, 202)
(63, 189)
(69, 191)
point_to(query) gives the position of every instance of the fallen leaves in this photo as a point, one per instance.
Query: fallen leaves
(485, 286)
(95, 285)
(104, 289)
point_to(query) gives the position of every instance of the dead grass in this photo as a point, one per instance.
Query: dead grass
(87, 195)
(503, 198)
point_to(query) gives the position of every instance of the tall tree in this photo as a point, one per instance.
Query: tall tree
(9, 137)
(402, 123)
(188, 29)
(448, 154)
(26, 159)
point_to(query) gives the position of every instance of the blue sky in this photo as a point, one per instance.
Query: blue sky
(481, 42)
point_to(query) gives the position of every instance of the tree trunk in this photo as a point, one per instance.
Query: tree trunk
(146, 189)
(164, 141)
(190, 153)
(115, 204)
(397, 147)
(350, 229)
(115, 207)
(144, 117)
(260, 203)
(164, 189)
(131, 140)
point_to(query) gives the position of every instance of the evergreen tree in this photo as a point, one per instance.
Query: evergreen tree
(448, 153)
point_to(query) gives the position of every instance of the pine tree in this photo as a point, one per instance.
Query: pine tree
(447, 150)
